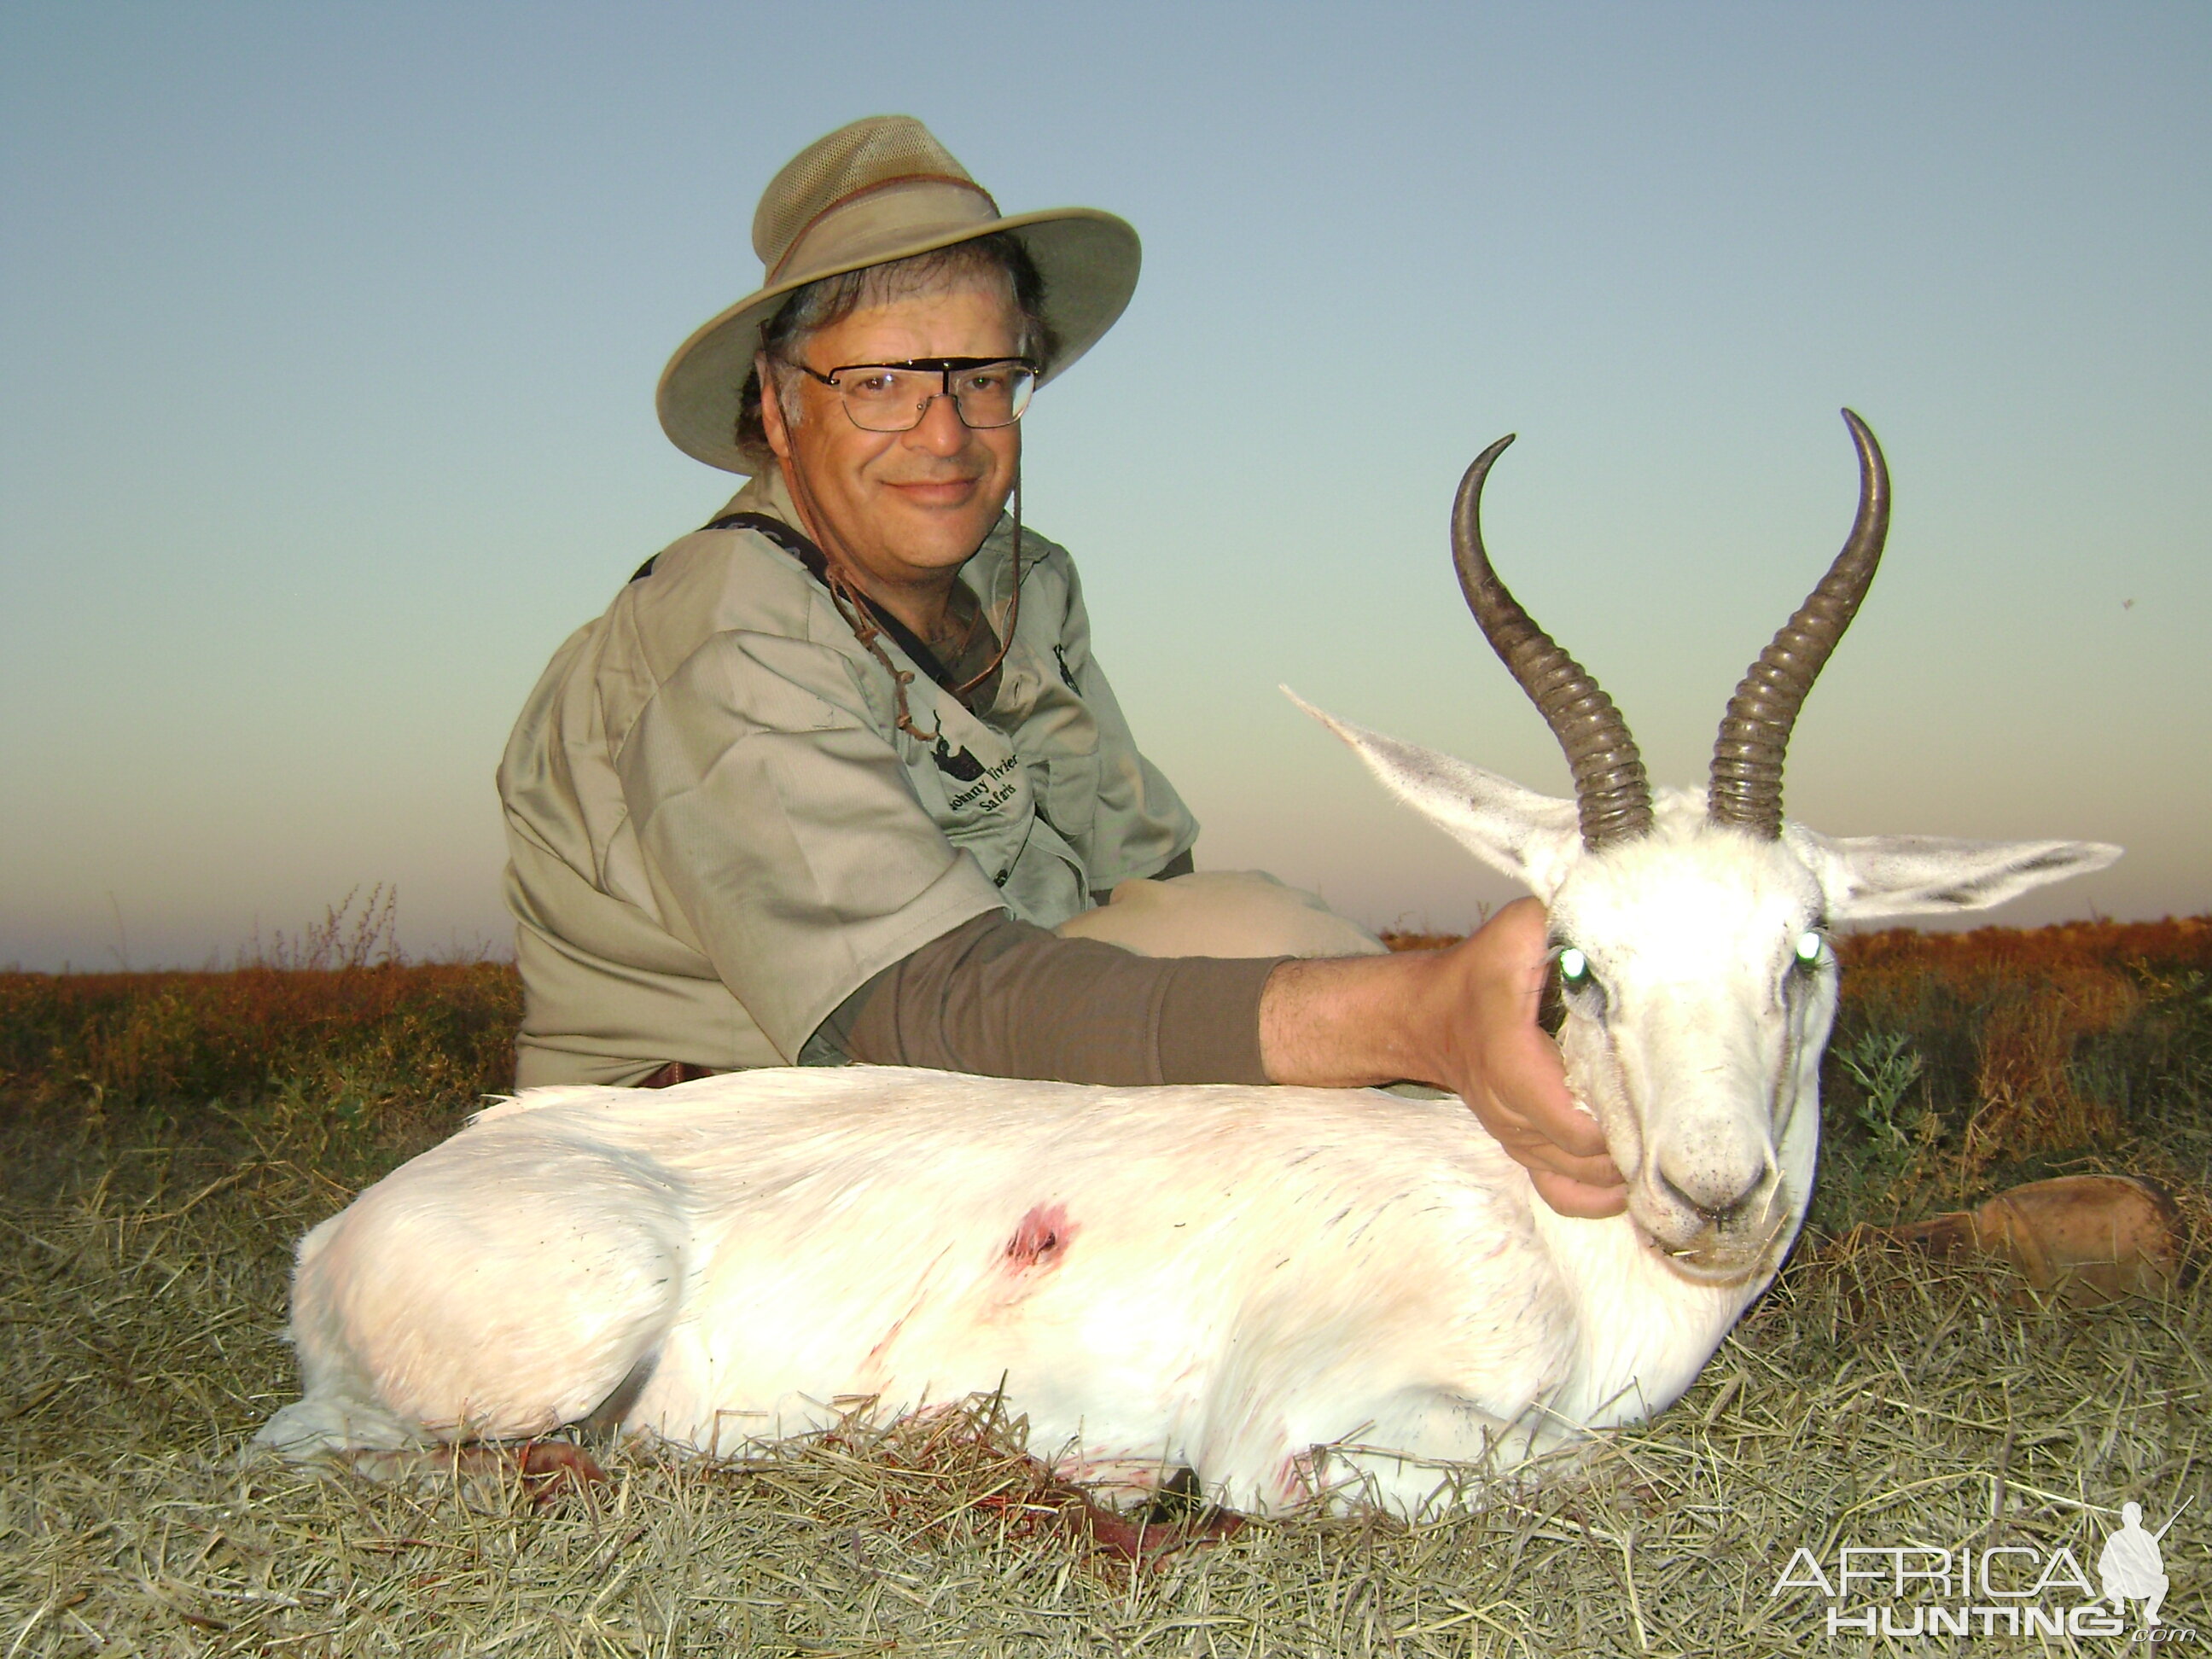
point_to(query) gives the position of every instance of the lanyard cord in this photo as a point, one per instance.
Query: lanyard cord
(860, 617)
(870, 623)
(1013, 605)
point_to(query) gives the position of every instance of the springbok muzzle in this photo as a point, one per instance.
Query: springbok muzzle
(1715, 1211)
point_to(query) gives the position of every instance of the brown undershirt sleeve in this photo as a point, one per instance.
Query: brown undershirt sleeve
(1001, 998)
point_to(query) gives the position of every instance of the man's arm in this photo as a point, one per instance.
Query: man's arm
(1000, 998)
(1463, 1019)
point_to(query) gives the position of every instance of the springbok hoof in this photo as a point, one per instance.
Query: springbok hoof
(2090, 1239)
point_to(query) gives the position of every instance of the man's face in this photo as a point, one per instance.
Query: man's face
(906, 508)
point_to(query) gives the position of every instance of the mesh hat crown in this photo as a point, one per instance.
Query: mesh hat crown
(872, 191)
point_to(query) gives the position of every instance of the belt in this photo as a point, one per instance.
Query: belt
(676, 1071)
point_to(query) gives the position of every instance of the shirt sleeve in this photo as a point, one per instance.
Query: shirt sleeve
(779, 835)
(1000, 998)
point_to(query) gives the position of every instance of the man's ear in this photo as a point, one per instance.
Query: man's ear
(772, 422)
(1865, 877)
(1534, 838)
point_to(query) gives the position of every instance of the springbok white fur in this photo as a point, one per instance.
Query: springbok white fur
(1298, 1294)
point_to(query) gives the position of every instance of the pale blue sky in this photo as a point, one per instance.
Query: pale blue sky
(328, 337)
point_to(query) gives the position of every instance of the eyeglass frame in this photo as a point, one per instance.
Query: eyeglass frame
(945, 368)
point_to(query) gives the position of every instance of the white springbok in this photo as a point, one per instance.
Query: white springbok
(1295, 1293)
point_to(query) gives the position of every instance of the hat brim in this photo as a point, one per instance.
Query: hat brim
(1088, 259)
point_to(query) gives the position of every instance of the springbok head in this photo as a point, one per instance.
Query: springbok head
(1691, 932)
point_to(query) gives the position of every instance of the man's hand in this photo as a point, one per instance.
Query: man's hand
(1507, 1069)
(1463, 1019)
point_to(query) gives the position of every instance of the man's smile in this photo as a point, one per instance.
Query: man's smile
(934, 492)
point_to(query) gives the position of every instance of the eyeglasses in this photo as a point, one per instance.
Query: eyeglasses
(989, 391)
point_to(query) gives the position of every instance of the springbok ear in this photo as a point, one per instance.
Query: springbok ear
(1533, 838)
(1870, 875)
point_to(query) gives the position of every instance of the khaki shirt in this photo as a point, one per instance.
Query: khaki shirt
(716, 833)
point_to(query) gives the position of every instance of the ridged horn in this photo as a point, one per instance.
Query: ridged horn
(1747, 778)
(1611, 791)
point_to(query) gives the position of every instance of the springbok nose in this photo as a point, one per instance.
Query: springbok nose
(1719, 1190)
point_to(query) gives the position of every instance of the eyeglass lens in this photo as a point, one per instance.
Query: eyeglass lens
(887, 398)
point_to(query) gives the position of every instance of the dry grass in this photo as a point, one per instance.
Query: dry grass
(165, 1138)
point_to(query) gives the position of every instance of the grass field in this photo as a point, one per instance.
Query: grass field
(164, 1137)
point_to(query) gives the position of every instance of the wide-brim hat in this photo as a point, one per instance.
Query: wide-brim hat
(876, 191)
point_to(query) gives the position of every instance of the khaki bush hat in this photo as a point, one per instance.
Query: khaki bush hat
(879, 190)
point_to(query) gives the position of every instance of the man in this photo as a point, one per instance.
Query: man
(822, 781)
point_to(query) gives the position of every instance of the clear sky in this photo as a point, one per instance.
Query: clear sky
(328, 337)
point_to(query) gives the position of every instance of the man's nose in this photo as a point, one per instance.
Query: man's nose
(940, 430)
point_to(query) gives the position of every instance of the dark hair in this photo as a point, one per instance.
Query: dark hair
(999, 256)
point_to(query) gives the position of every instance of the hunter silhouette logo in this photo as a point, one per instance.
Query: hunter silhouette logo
(961, 765)
(2131, 1566)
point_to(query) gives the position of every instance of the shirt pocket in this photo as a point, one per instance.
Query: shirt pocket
(972, 783)
(1057, 741)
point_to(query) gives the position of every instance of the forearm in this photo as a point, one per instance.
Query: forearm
(1355, 1021)
(1463, 1019)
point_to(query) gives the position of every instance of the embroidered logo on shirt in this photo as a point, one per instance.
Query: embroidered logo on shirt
(993, 789)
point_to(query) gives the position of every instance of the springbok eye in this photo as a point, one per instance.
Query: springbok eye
(1574, 967)
(1808, 949)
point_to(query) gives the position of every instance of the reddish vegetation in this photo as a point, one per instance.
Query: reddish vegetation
(2011, 952)
(2019, 952)
(2032, 1039)
(170, 1035)
(2052, 1033)
(437, 1033)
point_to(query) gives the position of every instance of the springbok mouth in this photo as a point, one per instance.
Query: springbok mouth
(1701, 1268)
(1712, 1264)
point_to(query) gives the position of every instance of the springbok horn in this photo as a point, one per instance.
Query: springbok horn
(1746, 779)
(1611, 792)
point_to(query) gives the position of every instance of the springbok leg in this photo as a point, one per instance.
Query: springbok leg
(470, 1298)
